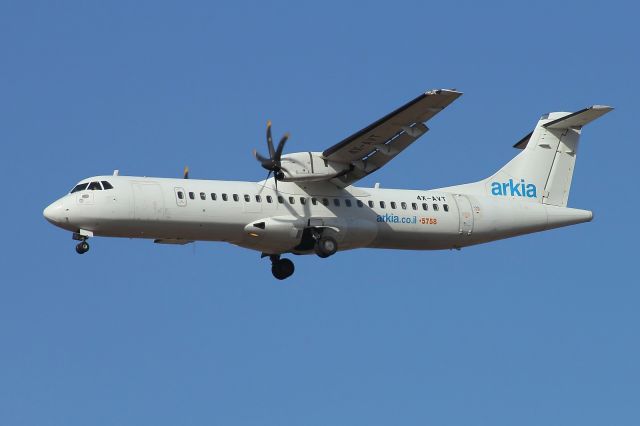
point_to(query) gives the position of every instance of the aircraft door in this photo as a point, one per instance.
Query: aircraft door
(466, 214)
(181, 197)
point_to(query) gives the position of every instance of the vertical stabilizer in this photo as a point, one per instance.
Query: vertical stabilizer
(543, 171)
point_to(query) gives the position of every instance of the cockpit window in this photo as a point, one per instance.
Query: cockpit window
(106, 185)
(80, 187)
(94, 186)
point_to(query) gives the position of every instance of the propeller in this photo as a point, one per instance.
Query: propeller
(274, 162)
(185, 174)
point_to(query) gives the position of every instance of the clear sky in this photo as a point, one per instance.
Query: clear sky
(542, 329)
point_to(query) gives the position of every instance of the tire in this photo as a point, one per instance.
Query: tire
(287, 267)
(326, 246)
(282, 269)
(82, 247)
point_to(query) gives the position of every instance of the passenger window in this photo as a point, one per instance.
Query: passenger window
(425, 206)
(258, 198)
(247, 198)
(180, 195)
(414, 206)
(435, 207)
(348, 203)
(280, 199)
(445, 207)
(382, 204)
(269, 199)
(393, 204)
(213, 196)
(403, 205)
(359, 203)
(370, 203)
(192, 195)
(292, 200)
(325, 201)
(236, 198)
(203, 196)
(303, 201)
(224, 197)
(336, 202)
(94, 186)
(106, 185)
(314, 201)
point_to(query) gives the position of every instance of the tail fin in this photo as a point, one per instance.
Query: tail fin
(543, 171)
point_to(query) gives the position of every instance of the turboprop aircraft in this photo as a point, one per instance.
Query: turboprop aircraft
(308, 204)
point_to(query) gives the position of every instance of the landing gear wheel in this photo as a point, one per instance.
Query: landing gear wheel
(82, 247)
(282, 268)
(326, 246)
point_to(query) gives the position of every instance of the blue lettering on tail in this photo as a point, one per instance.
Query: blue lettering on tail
(514, 189)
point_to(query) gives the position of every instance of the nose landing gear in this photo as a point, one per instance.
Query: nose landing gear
(281, 268)
(83, 246)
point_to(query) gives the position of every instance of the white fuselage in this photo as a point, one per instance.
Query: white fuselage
(256, 216)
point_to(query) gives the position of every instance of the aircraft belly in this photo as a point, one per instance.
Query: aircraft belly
(187, 227)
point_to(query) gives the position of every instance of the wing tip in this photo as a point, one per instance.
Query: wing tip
(453, 92)
(605, 108)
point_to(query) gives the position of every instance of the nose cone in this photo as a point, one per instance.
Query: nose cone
(54, 213)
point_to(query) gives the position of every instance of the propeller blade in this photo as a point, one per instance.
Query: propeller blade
(186, 172)
(260, 157)
(264, 161)
(273, 162)
(270, 140)
(281, 147)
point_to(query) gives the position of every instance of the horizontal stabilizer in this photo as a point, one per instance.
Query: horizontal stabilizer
(574, 120)
(578, 119)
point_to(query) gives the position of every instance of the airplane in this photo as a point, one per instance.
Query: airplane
(308, 203)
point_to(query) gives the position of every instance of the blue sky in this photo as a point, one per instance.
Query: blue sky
(541, 329)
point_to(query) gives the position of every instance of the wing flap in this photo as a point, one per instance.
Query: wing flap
(380, 157)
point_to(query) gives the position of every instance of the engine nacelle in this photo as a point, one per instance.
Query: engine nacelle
(310, 166)
(278, 234)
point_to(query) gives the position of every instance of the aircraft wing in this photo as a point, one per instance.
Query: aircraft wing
(374, 146)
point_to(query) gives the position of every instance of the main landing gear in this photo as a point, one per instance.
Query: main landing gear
(323, 245)
(326, 246)
(83, 246)
(281, 268)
